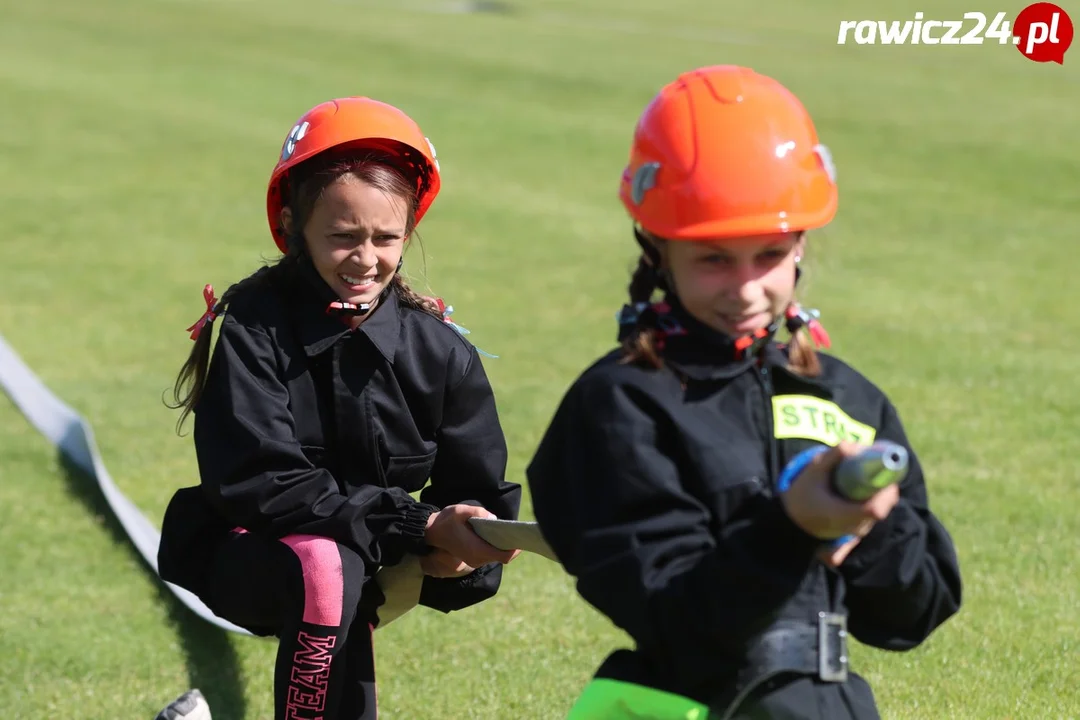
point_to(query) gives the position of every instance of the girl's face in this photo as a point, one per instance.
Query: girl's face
(737, 285)
(355, 236)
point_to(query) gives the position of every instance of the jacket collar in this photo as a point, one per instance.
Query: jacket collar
(318, 330)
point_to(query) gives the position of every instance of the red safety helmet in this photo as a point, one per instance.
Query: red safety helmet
(354, 122)
(723, 151)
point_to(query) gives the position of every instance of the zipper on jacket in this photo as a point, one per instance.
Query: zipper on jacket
(771, 455)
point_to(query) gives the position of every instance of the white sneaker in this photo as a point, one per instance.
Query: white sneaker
(189, 706)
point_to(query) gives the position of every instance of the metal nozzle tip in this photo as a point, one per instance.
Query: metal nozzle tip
(895, 459)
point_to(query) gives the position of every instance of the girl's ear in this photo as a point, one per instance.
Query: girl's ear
(800, 245)
(286, 220)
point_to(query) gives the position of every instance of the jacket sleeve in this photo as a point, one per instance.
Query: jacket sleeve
(610, 493)
(903, 578)
(470, 468)
(254, 471)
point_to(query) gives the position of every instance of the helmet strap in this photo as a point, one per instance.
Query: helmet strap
(653, 260)
(339, 308)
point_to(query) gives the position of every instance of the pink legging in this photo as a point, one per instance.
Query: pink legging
(315, 596)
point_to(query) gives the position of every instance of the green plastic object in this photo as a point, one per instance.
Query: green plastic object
(604, 699)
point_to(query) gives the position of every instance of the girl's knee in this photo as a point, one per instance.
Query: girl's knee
(328, 593)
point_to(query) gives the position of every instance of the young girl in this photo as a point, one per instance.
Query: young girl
(656, 483)
(333, 392)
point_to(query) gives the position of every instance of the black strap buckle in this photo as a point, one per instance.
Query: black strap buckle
(340, 308)
(832, 647)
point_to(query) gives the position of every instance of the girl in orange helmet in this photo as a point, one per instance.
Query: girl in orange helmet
(659, 482)
(333, 392)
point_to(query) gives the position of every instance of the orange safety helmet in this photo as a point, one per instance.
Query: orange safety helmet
(354, 122)
(723, 151)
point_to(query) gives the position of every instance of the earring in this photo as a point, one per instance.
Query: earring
(797, 259)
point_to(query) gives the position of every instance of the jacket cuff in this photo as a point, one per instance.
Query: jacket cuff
(449, 594)
(884, 536)
(414, 527)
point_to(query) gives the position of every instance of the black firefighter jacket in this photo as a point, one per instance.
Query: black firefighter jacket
(306, 426)
(656, 489)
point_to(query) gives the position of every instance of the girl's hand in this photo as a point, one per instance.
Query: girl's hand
(834, 556)
(812, 504)
(449, 530)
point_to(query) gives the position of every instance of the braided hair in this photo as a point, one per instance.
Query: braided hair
(640, 343)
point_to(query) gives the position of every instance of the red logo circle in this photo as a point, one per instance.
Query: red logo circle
(1043, 32)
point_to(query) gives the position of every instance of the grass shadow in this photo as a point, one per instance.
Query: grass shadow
(211, 660)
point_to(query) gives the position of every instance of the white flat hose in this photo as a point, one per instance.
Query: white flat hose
(73, 436)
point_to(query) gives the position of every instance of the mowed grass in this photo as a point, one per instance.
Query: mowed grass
(137, 138)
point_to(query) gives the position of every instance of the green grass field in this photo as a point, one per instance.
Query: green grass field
(137, 137)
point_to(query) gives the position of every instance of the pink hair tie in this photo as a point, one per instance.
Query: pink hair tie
(208, 316)
(798, 318)
(445, 311)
